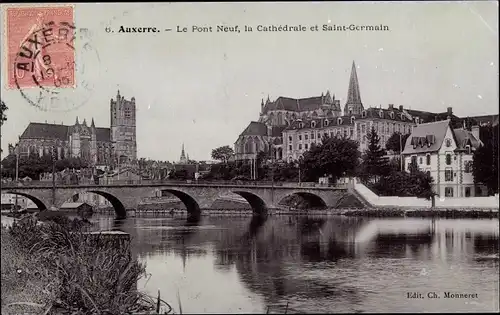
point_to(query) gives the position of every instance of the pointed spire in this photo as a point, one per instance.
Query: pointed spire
(92, 124)
(353, 95)
(268, 101)
(353, 104)
(183, 154)
(328, 97)
(77, 123)
(262, 103)
(84, 122)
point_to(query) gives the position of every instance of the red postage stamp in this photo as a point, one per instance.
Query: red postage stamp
(40, 46)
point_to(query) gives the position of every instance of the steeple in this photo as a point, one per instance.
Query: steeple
(183, 155)
(353, 104)
(84, 122)
(328, 97)
(262, 103)
(92, 124)
(77, 123)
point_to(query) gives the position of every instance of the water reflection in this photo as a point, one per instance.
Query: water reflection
(317, 264)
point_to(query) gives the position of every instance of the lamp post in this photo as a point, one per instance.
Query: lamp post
(54, 157)
(300, 162)
(272, 171)
(17, 170)
(401, 150)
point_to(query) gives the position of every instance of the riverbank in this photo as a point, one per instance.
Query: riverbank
(365, 212)
(58, 268)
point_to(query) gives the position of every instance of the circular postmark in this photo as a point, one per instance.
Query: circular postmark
(56, 67)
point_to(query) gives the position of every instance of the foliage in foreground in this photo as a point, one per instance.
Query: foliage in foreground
(58, 268)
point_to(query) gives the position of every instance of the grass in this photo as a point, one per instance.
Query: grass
(55, 268)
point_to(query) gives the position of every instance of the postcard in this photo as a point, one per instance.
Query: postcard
(261, 157)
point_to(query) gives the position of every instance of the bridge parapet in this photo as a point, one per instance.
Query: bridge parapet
(33, 183)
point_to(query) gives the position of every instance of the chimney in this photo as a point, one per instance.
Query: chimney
(449, 111)
(401, 107)
(391, 106)
(475, 132)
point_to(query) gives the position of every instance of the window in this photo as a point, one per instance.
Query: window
(326, 122)
(300, 137)
(313, 124)
(414, 159)
(448, 175)
(312, 135)
(467, 147)
(301, 125)
(416, 120)
(345, 133)
(306, 146)
(381, 113)
(479, 191)
(290, 147)
(363, 128)
(391, 115)
(306, 136)
(448, 191)
(420, 160)
(352, 132)
(352, 119)
(448, 159)
(468, 166)
(300, 146)
(448, 142)
(363, 114)
(290, 138)
(467, 191)
(428, 159)
(127, 113)
(339, 121)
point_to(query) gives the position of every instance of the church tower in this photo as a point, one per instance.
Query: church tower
(183, 159)
(353, 104)
(123, 129)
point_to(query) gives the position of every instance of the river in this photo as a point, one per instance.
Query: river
(316, 264)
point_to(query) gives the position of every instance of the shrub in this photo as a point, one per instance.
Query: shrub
(77, 271)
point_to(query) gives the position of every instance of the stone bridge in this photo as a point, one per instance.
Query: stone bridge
(195, 197)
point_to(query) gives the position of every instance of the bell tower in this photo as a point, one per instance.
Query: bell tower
(353, 104)
(123, 129)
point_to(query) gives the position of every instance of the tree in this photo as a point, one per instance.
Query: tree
(396, 142)
(375, 161)
(334, 157)
(485, 159)
(402, 184)
(3, 117)
(222, 154)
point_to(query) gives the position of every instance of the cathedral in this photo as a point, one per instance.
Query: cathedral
(277, 116)
(98, 146)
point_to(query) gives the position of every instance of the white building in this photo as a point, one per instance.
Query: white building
(445, 154)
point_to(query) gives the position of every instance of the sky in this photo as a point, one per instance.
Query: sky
(202, 89)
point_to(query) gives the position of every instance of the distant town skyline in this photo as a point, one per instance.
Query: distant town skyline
(203, 89)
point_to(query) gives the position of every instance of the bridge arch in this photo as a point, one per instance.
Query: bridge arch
(258, 205)
(313, 200)
(39, 203)
(192, 206)
(120, 209)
